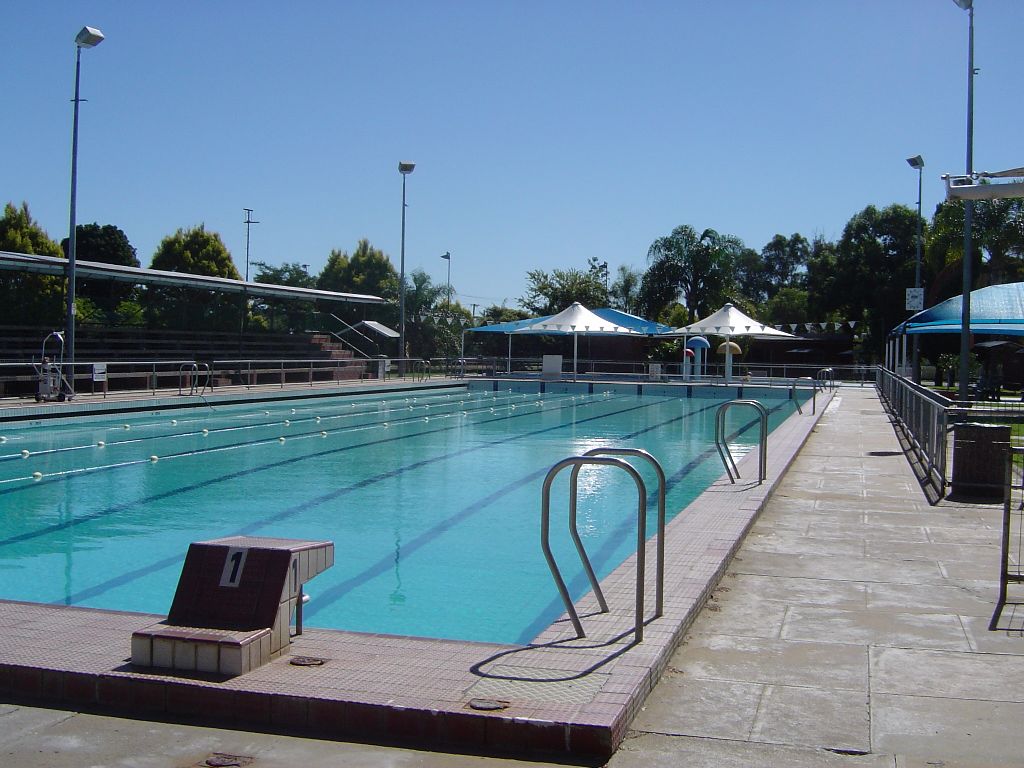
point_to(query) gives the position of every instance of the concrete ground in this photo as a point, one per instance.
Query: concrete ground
(850, 630)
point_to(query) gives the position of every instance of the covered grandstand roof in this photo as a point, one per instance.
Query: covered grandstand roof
(51, 265)
(996, 310)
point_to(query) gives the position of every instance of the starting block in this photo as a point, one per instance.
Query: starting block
(233, 606)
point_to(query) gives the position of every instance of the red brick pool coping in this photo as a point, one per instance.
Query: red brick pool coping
(559, 697)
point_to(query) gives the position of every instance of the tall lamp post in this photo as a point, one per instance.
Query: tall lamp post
(89, 37)
(404, 168)
(917, 162)
(965, 310)
(447, 256)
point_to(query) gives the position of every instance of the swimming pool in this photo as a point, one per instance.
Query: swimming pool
(432, 498)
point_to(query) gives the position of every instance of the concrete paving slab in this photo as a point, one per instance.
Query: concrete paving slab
(39, 738)
(908, 531)
(969, 676)
(870, 628)
(686, 706)
(792, 591)
(966, 599)
(747, 616)
(781, 662)
(814, 717)
(659, 751)
(931, 550)
(846, 569)
(947, 731)
(1010, 641)
(791, 542)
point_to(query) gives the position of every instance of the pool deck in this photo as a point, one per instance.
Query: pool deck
(850, 630)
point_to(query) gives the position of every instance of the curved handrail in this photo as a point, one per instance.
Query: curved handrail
(545, 544)
(194, 370)
(659, 599)
(723, 446)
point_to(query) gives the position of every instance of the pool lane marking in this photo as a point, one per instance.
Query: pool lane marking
(387, 561)
(218, 430)
(427, 536)
(404, 421)
(253, 470)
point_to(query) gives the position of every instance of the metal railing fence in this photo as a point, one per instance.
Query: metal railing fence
(923, 418)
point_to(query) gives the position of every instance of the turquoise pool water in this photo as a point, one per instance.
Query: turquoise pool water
(432, 499)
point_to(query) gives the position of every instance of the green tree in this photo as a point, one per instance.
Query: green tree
(785, 261)
(197, 252)
(281, 314)
(368, 271)
(548, 294)
(824, 289)
(788, 305)
(699, 269)
(28, 298)
(874, 266)
(422, 299)
(752, 278)
(625, 291)
(109, 245)
(501, 314)
(997, 240)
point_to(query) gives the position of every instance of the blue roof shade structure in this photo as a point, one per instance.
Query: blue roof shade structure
(996, 310)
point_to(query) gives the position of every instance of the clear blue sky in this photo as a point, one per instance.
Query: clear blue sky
(544, 132)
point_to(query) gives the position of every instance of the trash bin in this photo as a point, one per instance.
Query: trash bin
(979, 459)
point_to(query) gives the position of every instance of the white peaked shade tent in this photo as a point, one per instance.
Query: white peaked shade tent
(728, 322)
(579, 321)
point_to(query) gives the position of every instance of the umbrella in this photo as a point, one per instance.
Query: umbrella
(729, 321)
(579, 321)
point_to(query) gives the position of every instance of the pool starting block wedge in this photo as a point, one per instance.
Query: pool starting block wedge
(233, 606)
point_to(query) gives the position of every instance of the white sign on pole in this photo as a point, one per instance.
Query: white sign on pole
(915, 299)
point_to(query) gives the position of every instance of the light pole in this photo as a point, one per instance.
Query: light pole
(89, 37)
(965, 309)
(917, 162)
(248, 222)
(447, 256)
(404, 168)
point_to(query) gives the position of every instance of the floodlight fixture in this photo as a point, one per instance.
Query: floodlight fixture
(406, 168)
(916, 162)
(89, 37)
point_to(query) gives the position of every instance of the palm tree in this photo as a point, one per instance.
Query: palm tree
(698, 269)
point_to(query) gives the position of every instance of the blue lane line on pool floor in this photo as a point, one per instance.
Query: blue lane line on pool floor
(384, 564)
(130, 576)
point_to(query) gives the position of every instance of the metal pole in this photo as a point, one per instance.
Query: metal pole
(965, 312)
(917, 278)
(69, 330)
(401, 294)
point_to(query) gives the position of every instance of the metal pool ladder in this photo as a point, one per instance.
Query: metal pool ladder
(606, 457)
(193, 373)
(723, 446)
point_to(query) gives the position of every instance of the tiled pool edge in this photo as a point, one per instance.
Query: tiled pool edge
(422, 686)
